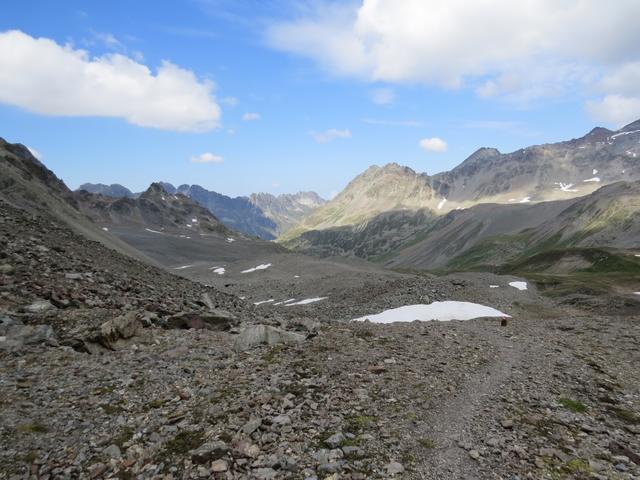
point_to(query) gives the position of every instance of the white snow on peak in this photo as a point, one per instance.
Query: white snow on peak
(519, 285)
(218, 270)
(623, 133)
(307, 301)
(164, 199)
(595, 172)
(441, 204)
(525, 200)
(194, 220)
(494, 286)
(442, 311)
(594, 179)
(263, 266)
(230, 240)
(263, 301)
(153, 231)
(183, 267)
(105, 229)
(566, 187)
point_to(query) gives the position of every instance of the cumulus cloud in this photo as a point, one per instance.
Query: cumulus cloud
(330, 135)
(44, 77)
(383, 96)
(207, 157)
(250, 116)
(434, 144)
(517, 50)
(620, 104)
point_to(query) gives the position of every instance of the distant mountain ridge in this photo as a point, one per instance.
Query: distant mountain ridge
(262, 214)
(390, 194)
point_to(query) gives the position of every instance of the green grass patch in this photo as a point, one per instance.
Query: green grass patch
(573, 405)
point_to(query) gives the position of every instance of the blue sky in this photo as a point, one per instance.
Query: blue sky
(333, 87)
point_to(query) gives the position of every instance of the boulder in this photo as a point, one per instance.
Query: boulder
(265, 335)
(116, 329)
(217, 320)
(14, 335)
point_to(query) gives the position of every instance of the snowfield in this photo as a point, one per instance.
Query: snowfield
(439, 311)
(263, 266)
(307, 301)
(519, 285)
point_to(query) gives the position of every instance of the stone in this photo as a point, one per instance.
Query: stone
(216, 320)
(263, 474)
(112, 451)
(6, 269)
(474, 454)
(335, 440)
(17, 336)
(507, 423)
(251, 426)
(255, 335)
(39, 306)
(394, 468)
(97, 470)
(119, 328)
(281, 420)
(208, 452)
(219, 466)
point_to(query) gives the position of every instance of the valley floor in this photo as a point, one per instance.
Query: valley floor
(554, 394)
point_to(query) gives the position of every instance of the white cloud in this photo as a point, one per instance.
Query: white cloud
(383, 96)
(35, 153)
(621, 102)
(434, 144)
(50, 79)
(330, 135)
(250, 116)
(501, 48)
(207, 157)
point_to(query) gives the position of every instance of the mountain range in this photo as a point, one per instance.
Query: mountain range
(408, 219)
(261, 214)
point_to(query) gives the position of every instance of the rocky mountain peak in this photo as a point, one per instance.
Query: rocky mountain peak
(632, 126)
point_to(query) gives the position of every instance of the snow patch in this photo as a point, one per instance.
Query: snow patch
(623, 133)
(105, 229)
(298, 276)
(440, 311)
(441, 204)
(594, 179)
(519, 285)
(566, 187)
(230, 240)
(285, 301)
(307, 301)
(494, 286)
(263, 266)
(153, 231)
(183, 267)
(194, 220)
(263, 301)
(218, 270)
(525, 200)
(595, 172)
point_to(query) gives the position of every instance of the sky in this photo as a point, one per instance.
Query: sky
(281, 96)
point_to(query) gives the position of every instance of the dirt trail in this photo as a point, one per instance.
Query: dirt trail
(454, 426)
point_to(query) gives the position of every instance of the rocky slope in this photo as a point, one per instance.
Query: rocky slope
(492, 235)
(548, 172)
(154, 209)
(286, 210)
(261, 214)
(114, 190)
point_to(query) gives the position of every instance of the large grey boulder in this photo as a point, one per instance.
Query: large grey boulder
(14, 335)
(265, 335)
(217, 320)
